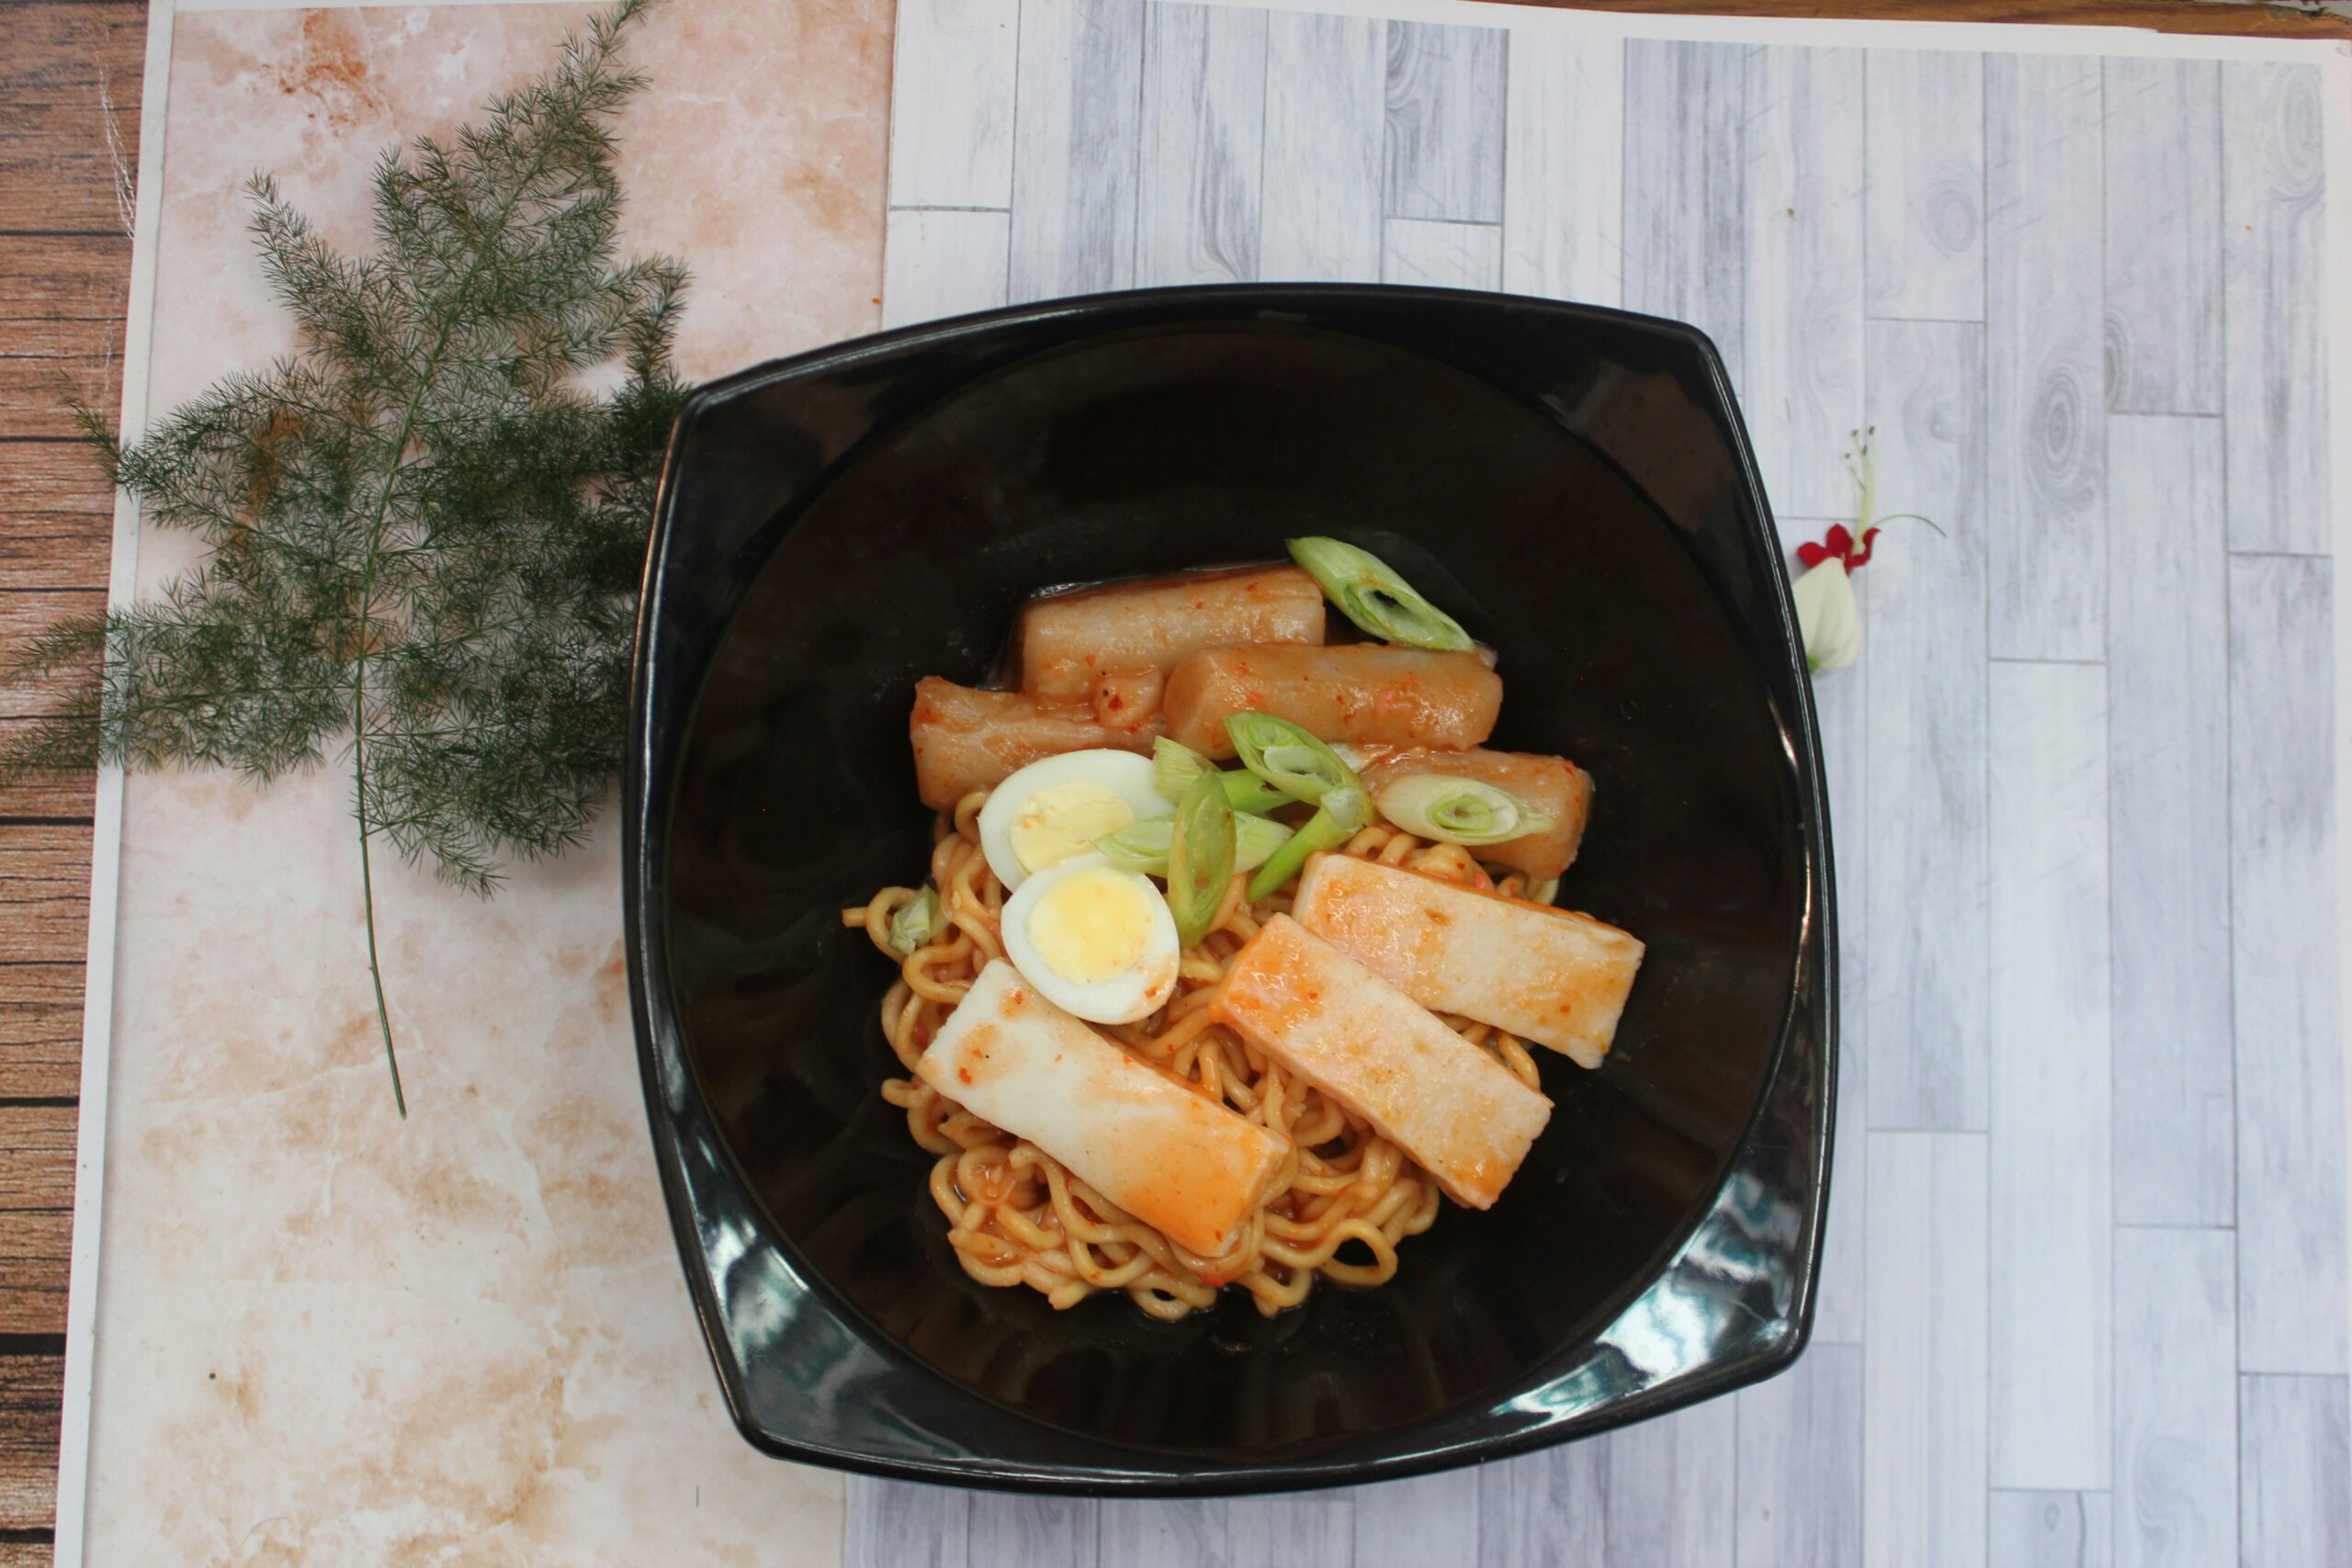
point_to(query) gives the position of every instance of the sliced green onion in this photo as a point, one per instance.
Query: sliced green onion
(1200, 859)
(1371, 595)
(1175, 765)
(1288, 757)
(1320, 831)
(1350, 808)
(1255, 841)
(1143, 846)
(1245, 790)
(1459, 811)
(915, 922)
(1544, 892)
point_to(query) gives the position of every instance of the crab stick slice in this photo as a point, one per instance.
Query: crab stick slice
(1165, 1153)
(1456, 1112)
(1551, 975)
(1070, 639)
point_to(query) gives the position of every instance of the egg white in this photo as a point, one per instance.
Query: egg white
(1123, 773)
(1135, 992)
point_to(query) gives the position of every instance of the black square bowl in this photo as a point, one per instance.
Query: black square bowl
(1575, 485)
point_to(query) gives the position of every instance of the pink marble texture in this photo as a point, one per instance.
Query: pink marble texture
(327, 1337)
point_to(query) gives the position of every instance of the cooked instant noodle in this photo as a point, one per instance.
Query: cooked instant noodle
(1172, 1048)
(1017, 1217)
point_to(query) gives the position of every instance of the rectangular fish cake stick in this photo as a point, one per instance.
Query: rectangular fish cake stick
(1456, 1112)
(1067, 640)
(1551, 975)
(1168, 1155)
(1553, 786)
(966, 739)
(1360, 693)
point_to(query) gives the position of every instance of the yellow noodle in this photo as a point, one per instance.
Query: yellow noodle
(1016, 1217)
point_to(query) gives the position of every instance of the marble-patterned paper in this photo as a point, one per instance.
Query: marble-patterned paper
(327, 1337)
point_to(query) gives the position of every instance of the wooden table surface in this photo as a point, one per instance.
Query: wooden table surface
(69, 121)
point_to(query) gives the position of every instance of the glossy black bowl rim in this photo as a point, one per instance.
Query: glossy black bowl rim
(645, 799)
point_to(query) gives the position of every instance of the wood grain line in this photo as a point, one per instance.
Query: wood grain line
(35, 1216)
(1203, 145)
(1325, 133)
(1445, 94)
(2176, 1398)
(2164, 235)
(2275, 378)
(2045, 364)
(31, 1388)
(1076, 137)
(2052, 1530)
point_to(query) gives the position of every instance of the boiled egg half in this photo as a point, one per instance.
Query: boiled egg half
(1055, 809)
(1096, 940)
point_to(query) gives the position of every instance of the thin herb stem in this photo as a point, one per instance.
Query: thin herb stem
(1910, 517)
(375, 968)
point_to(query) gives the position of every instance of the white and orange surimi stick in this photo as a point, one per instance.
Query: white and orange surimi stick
(1456, 1112)
(966, 739)
(1166, 1154)
(1359, 694)
(1551, 975)
(1148, 624)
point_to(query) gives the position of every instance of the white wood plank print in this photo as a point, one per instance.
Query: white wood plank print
(1563, 182)
(1924, 149)
(1800, 1479)
(2273, 177)
(2175, 1397)
(2046, 367)
(943, 261)
(1327, 124)
(2050, 1114)
(1923, 1352)
(1445, 122)
(1801, 312)
(2168, 650)
(951, 117)
(2164, 235)
(1925, 830)
(1203, 148)
(2083, 1292)
(2292, 1277)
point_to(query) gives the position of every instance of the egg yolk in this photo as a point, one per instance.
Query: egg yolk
(1065, 819)
(1091, 925)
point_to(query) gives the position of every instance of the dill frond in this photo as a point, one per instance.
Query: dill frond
(424, 533)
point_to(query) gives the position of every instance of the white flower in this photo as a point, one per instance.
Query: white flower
(1827, 615)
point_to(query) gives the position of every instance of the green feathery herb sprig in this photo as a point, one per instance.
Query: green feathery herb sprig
(425, 533)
